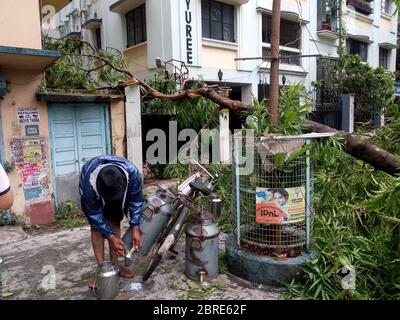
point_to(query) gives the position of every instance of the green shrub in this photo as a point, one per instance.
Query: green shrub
(7, 218)
(68, 215)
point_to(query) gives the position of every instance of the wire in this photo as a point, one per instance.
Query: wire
(300, 8)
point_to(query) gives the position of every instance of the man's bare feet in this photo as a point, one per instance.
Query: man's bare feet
(126, 273)
(92, 283)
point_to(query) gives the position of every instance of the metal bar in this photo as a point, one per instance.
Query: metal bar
(308, 197)
(281, 57)
(313, 135)
(237, 175)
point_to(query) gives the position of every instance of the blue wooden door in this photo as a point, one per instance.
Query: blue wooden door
(64, 145)
(78, 133)
(91, 133)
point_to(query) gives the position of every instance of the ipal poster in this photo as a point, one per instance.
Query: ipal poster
(280, 206)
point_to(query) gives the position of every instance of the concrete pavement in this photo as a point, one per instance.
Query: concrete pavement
(58, 264)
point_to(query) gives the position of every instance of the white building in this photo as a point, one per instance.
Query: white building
(208, 35)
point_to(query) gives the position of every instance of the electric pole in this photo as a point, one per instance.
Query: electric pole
(274, 86)
(274, 74)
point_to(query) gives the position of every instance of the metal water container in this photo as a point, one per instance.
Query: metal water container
(202, 247)
(216, 206)
(107, 281)
(155, 215)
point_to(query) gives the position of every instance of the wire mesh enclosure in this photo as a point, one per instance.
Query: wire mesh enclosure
(273, 202)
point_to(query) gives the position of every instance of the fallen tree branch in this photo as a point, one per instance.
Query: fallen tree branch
(367, 152)
(356, 147)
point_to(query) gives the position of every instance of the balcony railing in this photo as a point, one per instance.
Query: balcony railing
(362, 6)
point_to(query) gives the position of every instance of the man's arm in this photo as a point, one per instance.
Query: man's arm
(135, 203)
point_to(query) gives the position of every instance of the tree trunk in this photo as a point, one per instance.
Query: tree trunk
(274, 72)
(378, 158)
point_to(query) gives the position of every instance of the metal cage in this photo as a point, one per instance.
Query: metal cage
(273, 207)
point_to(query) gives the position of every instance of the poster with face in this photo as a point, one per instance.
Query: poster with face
(280, 206)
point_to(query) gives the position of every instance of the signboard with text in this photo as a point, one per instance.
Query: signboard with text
(280, 206)
(189, 39)
(28, 115)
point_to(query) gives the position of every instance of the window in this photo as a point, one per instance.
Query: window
(136, 26)
(290, 40)
(218, 20)
(98, 38)
(290, 32)
(326, 95)
(358, 47)
(383, 57)
(289, 57)
(327, 15)
(386, 6)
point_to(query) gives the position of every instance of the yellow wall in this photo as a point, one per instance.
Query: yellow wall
(219, 58)
(23, 88)
(137, 58)
(20, 24)
(117, 111)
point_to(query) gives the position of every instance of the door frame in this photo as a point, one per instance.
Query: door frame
(106, 115)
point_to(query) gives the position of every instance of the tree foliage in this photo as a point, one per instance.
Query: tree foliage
(356, 226)
(78, 67)
(294, 109)
(373, 88)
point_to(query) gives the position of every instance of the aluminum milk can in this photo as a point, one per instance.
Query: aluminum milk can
(202, 247)
(107, 281)
(155, 215)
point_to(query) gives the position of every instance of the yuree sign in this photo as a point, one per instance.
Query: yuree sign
(280, 206)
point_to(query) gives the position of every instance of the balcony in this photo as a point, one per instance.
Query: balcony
(57, 4)
(328, 19)
(27, 59)
(328, 34)
(328, 30)
(75, 35)
(361, 6)
(124, 6)
(92, 24)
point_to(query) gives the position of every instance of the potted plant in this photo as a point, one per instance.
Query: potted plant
(325, 25)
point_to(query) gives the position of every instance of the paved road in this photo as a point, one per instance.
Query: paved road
(29, 263)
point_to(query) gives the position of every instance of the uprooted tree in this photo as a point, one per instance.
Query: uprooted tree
(83, 66)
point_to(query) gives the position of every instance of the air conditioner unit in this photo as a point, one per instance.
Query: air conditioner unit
(3, 85)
